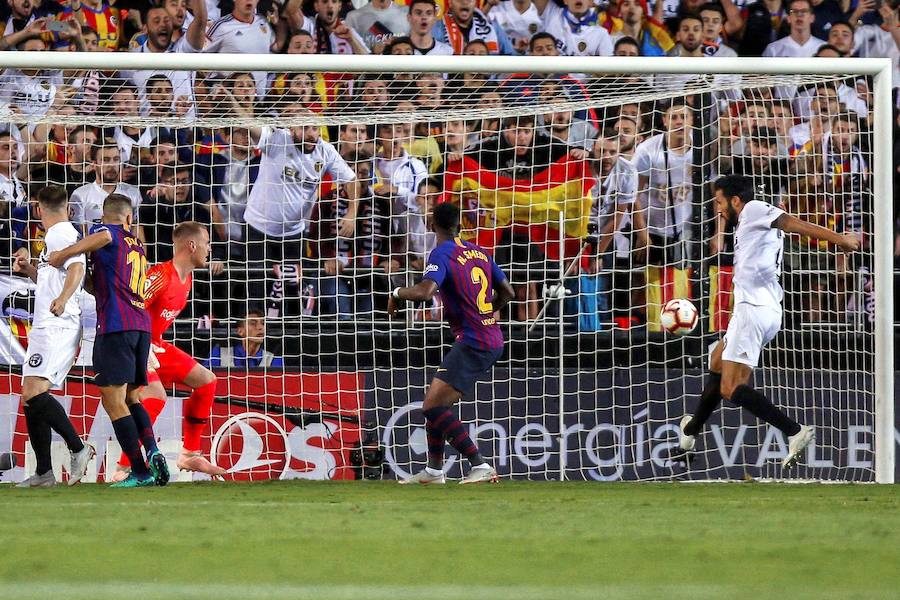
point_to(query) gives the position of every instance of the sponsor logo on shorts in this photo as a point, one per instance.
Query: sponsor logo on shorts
(35, 360)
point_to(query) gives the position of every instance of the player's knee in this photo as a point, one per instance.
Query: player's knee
(208, 377)
(727, 387)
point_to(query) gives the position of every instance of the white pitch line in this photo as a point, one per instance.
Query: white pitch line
(266, 591)
(191, 591)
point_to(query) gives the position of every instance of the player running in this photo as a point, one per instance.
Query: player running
(759, 230)
(473, 289)
(52, 342)
(168, 289)
(122, 346)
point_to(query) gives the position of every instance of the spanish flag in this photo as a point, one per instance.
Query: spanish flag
(491, 203)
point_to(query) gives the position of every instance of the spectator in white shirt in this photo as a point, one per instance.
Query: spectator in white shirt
(160, 38)
(800, 42)
(331, 34)
(578, 31)
(422, 17)
(293, 163)
(243, 32)
(378, 23)
(520, 19)
(86, 204)
(874, 41)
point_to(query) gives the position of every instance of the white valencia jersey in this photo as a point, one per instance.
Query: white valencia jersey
(584, 40)
(86, 204)
(231, 35)
(616, 192)
(50, 281)
(518, 26)
(758, 252)
(287, 186)
(670, 192)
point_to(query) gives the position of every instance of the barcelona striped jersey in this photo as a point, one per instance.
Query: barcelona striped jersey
(108, 22)
(120, 279)
(466, 275)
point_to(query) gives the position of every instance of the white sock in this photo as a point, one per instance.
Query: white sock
(434, 472)
(484, 465)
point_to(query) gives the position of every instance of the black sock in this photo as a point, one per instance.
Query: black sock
(144, 427)
(758, 405)
(127, 435)
(709, 401)
(39, 434)
(52, 412)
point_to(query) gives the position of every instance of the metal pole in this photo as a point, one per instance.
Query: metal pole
(562, 351)
(884, 285)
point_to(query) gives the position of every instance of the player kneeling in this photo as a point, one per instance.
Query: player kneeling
(473, 290)
(759, 230)
(167, 293)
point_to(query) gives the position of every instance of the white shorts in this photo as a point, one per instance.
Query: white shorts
(51, 353)
(750, 328)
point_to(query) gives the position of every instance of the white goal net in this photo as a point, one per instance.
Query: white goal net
(592, 191)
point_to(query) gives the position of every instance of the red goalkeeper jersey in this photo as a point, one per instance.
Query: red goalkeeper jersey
(166, 297)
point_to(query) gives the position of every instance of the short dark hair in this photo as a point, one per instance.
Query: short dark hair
(102, 144)
(403, 39)
(740, 186)
(834, 49)
(434, 182)
(712, 6)
(430, 3)
(52, 198)
(446, 216)
(158, 78)
(79, 129)
(791, 3)
(117, 205)
(542, 35)
(846, 24)
(519, 121)
(626, 41)
(690, 16)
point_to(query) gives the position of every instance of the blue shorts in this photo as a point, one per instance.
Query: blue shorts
(121, 358)
(463, 365)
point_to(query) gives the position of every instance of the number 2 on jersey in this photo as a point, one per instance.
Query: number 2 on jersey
(138, 280)
(480, 278)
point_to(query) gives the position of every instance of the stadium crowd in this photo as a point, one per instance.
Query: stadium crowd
(310, 219)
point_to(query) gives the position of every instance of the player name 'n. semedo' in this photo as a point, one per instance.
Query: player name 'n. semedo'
(468, 255)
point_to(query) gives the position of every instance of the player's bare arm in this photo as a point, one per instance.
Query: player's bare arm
(93, 242)
(848, 242)
(421, 292)
(348, 224)
(74, 275)
(22, 264)
(503, 295)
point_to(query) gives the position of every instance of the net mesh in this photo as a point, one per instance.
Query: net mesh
(592, 193)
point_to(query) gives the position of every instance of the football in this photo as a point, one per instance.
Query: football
(678, 316)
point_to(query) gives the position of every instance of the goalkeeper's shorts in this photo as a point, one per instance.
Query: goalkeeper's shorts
(174, 364)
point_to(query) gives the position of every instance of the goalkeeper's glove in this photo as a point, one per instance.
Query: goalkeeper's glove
(152, 361)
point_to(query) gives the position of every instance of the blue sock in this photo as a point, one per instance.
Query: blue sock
(144, 427)
(127, 434)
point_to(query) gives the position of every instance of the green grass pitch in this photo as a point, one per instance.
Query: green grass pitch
(515, 540)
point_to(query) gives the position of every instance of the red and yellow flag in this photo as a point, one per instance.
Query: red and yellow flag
(491, 203)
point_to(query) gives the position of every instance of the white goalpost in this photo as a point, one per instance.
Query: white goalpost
(589, 181)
